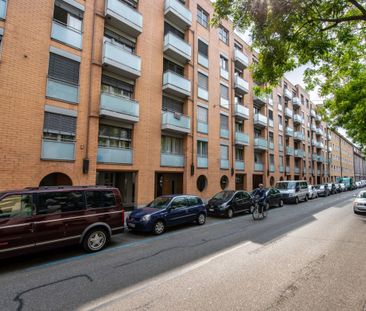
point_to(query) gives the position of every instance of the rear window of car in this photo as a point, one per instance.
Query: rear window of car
(100, 199)
(57, 202)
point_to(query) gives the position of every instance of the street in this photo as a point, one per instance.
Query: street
(309, 256)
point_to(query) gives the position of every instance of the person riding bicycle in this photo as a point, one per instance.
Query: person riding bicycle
(260, 192)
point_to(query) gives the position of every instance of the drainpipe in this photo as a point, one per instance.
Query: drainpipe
(193, 96)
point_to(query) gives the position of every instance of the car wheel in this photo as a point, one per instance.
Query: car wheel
(296, 200)
(159, 227)
(229, 213)
(281, 203)
(95, 240)
(201, 219)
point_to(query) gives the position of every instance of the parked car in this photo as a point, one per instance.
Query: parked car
(273, 197)
(343, 187)
(40, 218)
(359, 204)
(313, 194)
(293, 190)
(229, 202)
(332, 188)
(322, 190)
(167, 211)
(337, 188)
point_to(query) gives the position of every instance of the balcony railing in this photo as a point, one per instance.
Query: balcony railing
(271, 168)
(280, 147)
(313, 127)
(260, 120)
(239, 165)
(270, 122)
(288, 170)
(224, 102)
(319, 131)
(202, 60)
(260, 143)
(177, 48)
(2, 9)
(260, 100)
(202, 127)
(281, 168)
(175, 122)
(57, 150)
(241, 138)
(224, 164)
(289, 131)
(123, 16)
(287, 94)
(121, 61)
(299, 153)
(259, 167)
(299, 136)
(312, 113)
(65, 34)
(288, 112)
(176, 84)
(330, 149)
(62, 90)
(320, 159)
(319, 145)
(280, 107)
(241, 60)
(318, 118)
(314, 142)
(114, 155)
(202, 93)
(297, 118)
(172, 159)
(118, 107)
(314, 157)
(241, 111)
(297, 170)
(177, 13)
(296, 101)
(202, 162)
(224, 133)
(290, 151)
(280, 127)
(241, 85)
(271, 145)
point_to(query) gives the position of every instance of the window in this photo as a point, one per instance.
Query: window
(100, 199)
(281, 160)
(202, 81)
(202, 150)
(169, 65)
(239, 154)
(238, 46)
(202, 115)
(270, 137)
(258, 158)
(131, 3)
(280, 139)
(170, 29)
(1, 38)
(239, 126)
(116, 87)
(16, 206)
(270, 114)
(224, 152)
(68, 15)
(202, 17)
(271, 159)
(224, 34)
(257, 133)
(193, 201)
(179, 202)
(279, 98)
(202, 48)
(114, 137)
(171, 104)
(280, 119)
(201, 183)
(172, 145)
(119, 40)
(224, 182)
(238, 99)
(57, 202)
(224, 64)
(224, 122)
(224, 91)
(63, 69)
(59, 127)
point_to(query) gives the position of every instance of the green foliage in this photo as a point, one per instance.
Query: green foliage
(328, 36)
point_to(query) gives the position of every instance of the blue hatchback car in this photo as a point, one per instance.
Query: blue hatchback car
(167, 211)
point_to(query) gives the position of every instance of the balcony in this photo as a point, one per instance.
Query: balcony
(313, 143)
(330, 161)
(57, 150)
(241, 85)
(280, 147)
(299, 136)
(281, 168)
(202, 127)
(288, 113)
(297, 118)
(65, 34)
(260, 100)
(177, 13)
(241, 60)
(224, 164)
(176, 85)
(241, 111)
(304, 171)
(177, 48)
(329, 137)
(287, 94)
(270, 122)
(271, 145)
(280, 107)
(2, 9)
(314, 157)
(224, 133)
(119, 108)
(260, 120)
(319, 131)
(312, 113)
(172, 159)
(202, 60)
(289, 131)
(270, 101)
(318, 172)
(299, 153)
(239, 165)
(288, 170)
(320, 159)
(202, 162)
(123, 16)
(224, 74)
(114, 155)
(320, 145)
(290, 151)
(258, 167)
(62, 90)
(296, 102)
(260, 143)
(318, 118)
(313, 127)
(330, 149)
(280, 127)
(202, 93)
(297, 170)
(271, 168)
(175, 122)
(241, 139)
(224, 102)
(120, 61)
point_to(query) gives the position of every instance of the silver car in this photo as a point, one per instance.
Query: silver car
(359, 204)
(313, 194)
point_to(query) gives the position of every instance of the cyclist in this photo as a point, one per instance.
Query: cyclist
(260, 192)
(260, 195)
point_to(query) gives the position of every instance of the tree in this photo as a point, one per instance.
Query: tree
(327, 35)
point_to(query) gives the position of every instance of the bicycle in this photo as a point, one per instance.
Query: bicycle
(260, 210)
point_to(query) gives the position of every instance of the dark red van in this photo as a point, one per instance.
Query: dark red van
(38, 218)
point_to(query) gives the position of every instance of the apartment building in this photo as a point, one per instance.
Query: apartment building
(148, 97)
(359, 163)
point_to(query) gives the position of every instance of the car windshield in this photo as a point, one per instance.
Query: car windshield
(286, 185)
(161, 202)
(319, 186)
(362, 195)
(223, 195)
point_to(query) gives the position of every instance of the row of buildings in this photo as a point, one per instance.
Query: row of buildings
(148, 97)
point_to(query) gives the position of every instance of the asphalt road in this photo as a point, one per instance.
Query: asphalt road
(309, 256)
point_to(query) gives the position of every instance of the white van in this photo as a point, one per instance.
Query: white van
(293, 190)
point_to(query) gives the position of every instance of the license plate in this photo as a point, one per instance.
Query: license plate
(211, 209)
(132, 225)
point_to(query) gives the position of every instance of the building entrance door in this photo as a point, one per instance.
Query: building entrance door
(168, 183)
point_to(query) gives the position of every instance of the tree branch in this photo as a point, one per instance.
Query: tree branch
(358, 6)
(344, 19)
